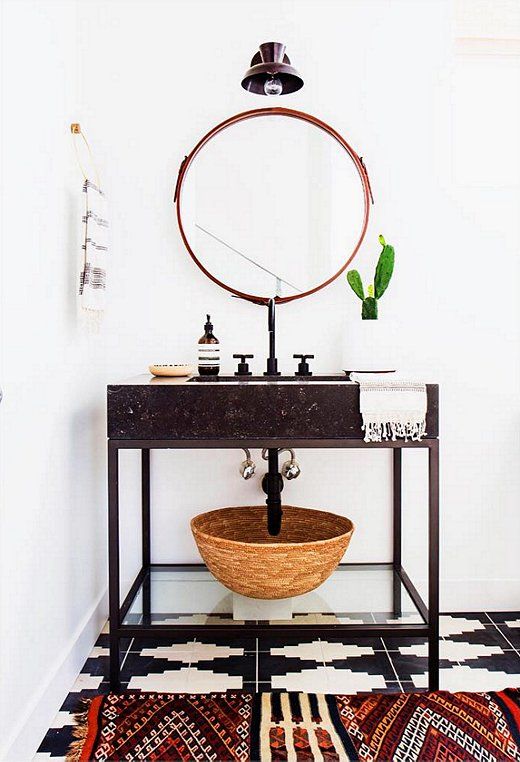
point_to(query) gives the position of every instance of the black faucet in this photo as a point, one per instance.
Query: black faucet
(272, 362)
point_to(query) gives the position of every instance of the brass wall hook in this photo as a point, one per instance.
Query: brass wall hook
(75, 129)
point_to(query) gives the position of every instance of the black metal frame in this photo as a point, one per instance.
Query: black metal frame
(118, 611)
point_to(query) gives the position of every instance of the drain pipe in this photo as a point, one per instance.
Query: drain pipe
(272, 484)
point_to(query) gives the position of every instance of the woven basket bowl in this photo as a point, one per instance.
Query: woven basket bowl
(240, 553)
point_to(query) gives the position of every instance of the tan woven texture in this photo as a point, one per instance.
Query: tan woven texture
(240, 553)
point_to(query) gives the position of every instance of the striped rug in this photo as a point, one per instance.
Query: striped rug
(440, 726)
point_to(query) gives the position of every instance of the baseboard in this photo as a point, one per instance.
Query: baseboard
(24, 739)
(473, 595)
(459, 595)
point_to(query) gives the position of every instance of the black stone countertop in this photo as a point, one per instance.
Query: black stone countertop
(146, 407)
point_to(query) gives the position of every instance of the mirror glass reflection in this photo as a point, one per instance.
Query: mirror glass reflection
(272, 206)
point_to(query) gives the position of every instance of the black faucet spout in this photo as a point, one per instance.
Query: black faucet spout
(272, 362)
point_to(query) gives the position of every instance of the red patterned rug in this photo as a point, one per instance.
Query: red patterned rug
(431, 727)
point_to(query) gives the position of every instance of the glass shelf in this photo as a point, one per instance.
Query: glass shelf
(355, 594)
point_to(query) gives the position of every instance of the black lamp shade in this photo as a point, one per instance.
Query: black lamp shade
(271, 61)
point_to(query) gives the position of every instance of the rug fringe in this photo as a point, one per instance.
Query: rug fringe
(80, 731)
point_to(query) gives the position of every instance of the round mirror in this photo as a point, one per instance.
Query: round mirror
(272, 203)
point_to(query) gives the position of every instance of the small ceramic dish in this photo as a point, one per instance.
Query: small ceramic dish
(348, 372)
(174, 369)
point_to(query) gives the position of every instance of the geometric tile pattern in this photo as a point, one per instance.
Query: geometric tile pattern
(330, 679)
(479, 652)
(459, 625)
(471, 679)
(454, 651)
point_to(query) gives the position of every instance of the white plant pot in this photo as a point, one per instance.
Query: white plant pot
(369, 346)
(245, 609)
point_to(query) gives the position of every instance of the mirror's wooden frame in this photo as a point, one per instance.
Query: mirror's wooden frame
(365, 182)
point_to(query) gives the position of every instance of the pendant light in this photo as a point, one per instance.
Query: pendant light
(271, 72)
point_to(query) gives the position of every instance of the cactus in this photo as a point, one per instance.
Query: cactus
(356, 285)
(369, 308)
(384, 270)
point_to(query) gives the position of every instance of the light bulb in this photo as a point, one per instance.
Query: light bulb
(273, 86)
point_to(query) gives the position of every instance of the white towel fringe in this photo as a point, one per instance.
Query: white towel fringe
(91, 321)
(377, 430)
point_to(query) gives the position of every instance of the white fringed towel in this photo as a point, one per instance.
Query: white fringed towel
(92, 279)
(391, 406)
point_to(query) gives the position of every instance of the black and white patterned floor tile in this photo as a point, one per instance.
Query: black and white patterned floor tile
(478, 652)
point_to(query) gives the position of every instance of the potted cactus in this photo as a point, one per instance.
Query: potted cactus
(369, 346)
(383, 274)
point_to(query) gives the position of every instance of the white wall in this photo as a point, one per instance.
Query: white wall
(385, 75)
(146, 80)
(53, 571)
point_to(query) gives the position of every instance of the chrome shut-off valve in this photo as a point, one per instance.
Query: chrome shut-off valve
(247, 467)
(291, 468)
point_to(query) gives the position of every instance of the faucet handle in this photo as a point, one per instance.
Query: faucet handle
(303, 365)
(243, 366)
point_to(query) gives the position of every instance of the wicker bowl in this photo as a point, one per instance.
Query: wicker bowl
(240, 553)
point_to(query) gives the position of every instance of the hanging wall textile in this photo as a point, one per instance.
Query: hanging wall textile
(280, 726)
(92, 281)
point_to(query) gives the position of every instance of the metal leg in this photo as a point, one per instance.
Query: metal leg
(397, 521)
(433, 565)
(113, 562)
(147, 600)
(146, 536)
(145, 506)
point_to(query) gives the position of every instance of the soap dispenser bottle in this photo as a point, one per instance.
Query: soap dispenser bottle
(208, 351)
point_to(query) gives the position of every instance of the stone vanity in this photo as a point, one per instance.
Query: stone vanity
(147, 413)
